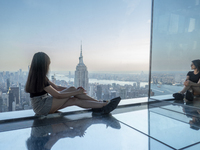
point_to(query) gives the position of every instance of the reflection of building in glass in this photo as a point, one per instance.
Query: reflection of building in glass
(81, 74)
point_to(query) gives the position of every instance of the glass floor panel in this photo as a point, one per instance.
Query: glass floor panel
(172, 132)
(181, 109)
(194, 147)
(88, 133)
(129, 127)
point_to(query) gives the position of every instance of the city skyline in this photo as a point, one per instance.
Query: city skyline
(114, 37)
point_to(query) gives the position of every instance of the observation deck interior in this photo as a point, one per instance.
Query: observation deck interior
(135, 124)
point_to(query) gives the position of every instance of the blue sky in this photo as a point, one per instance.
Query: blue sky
(115, 34)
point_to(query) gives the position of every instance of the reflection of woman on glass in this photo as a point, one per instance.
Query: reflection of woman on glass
(190, 112)
(192, 82)
(46, 132)
(38, 85)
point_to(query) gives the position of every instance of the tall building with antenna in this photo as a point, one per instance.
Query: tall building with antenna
(81, 74)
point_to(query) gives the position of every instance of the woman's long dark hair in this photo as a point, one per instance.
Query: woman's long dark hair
(196, 64)
(37, 74)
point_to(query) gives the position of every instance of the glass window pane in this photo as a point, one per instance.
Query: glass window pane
(175, 35)
(100, 45)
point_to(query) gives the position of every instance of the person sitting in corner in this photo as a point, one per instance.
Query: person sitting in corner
(191, 84)
(39, 87)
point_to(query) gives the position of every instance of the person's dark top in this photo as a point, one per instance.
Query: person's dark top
(40, 93)
(193, 77)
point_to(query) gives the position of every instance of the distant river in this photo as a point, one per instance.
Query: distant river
(165, 89)
(63, 77)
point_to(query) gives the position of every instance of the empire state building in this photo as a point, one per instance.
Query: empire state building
(81, 74)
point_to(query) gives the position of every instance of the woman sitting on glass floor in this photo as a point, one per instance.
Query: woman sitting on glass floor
(39, 87)
(191, 84)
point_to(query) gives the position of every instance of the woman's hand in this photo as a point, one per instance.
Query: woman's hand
(187, 82)
(81, 90)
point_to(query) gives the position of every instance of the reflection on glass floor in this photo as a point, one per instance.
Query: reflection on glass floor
(105, 132)
(128, 128)
(181, 110)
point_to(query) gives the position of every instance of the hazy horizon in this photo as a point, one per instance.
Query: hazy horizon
(114, 37)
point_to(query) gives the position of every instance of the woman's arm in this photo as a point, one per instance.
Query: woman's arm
(187, 78)
(58, 88)
(186, 83)
(193, 83)
(58, 95)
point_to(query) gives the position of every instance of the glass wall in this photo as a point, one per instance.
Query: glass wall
(175, 43)
(103, 44)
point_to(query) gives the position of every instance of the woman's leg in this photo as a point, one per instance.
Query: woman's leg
(84, 103)
(81, 96)
(57, 104)
(185, 89)
(196, 90)
(62, 103)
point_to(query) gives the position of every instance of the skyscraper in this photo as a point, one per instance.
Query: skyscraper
(81, 74)
(15, 91)
(99, 92)
(123, 93)
(8, 84)
(1, 104)
(10, 100)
